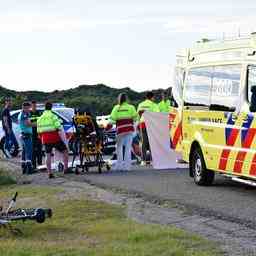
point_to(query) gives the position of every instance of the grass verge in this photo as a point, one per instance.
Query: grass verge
(6, 179)
(87, 228)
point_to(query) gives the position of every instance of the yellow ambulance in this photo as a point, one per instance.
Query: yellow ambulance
(217, 123)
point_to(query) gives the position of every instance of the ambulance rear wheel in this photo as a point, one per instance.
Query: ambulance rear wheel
(202, 176)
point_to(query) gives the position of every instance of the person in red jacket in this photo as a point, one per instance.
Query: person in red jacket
(49, 128)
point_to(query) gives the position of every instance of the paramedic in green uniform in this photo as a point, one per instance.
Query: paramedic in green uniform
(147, 105)
(165, 103)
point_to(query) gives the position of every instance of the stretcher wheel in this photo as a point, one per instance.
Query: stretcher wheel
(60, 167)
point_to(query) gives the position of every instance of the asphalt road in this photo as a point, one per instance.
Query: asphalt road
(225, 199)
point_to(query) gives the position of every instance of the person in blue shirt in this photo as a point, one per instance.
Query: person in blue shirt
(26, 138)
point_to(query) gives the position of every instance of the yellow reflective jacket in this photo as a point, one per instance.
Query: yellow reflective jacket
(48, 122)
(147, 105)
(164, 106)
(124, 116)
(123, 111)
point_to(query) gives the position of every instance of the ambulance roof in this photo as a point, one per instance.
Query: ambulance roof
(202, 47)
(219, 50)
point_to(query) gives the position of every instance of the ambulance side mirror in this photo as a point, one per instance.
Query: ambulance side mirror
(253, 99)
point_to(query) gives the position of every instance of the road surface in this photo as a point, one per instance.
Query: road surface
(225, 199)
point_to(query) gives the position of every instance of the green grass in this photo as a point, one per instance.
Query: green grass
(87, 228)
(6, 179)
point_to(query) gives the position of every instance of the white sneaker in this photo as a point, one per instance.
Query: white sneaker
(143, 163)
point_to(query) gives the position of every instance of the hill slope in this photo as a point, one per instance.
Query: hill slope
(99, 98)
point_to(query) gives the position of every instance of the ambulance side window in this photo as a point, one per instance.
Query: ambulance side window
(198, 87)
(225, 88)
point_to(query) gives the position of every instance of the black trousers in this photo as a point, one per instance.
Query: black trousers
(37, 154)
(145, 144)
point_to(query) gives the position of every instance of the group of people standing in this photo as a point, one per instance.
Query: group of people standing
(36, 129)
(125, 116)
(39, 128)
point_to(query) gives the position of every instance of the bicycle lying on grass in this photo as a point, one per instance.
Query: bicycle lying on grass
(8, 216)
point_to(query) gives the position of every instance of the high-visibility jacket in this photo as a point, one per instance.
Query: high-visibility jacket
(124, 116)
(164, 106)
(146, 105)
(48, 126)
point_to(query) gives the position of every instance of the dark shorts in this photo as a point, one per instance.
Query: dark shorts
(60, 146)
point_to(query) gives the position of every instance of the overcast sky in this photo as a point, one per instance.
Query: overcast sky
(59, 44)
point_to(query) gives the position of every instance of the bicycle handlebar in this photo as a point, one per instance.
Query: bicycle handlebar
(12, 203)
(15, 197)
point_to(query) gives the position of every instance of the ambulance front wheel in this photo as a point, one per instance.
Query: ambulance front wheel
(202, 176)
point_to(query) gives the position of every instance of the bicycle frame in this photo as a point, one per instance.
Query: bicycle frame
(9, 215)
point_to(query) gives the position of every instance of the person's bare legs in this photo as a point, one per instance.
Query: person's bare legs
(49, 163)
(65, 160)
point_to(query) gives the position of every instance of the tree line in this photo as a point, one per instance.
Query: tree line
(98, 99)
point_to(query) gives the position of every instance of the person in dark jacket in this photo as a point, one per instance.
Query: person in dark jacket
(10, 139)
(36, 142)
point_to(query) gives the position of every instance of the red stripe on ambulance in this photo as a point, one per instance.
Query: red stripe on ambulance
(226, 152)
(177, 135)
(242, 154)
(253, 166)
